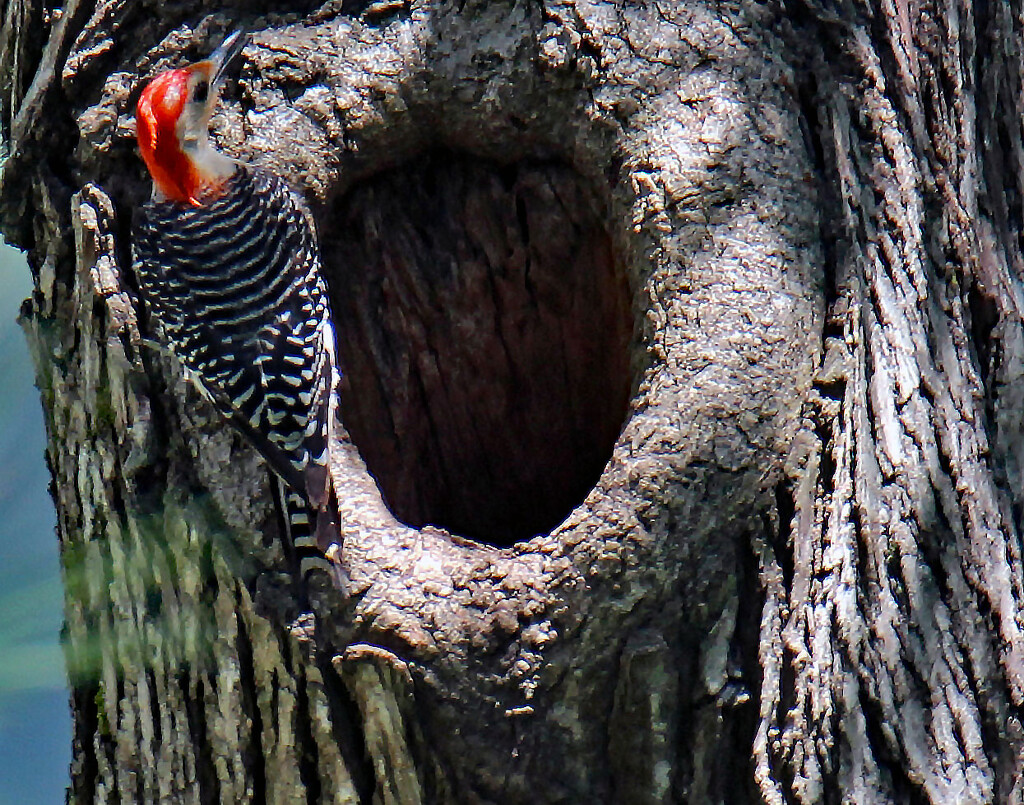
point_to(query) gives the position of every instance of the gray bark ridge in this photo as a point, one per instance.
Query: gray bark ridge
(891, 637)
(609, 658)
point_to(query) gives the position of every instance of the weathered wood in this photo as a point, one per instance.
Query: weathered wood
(703, 320)
(896, 627)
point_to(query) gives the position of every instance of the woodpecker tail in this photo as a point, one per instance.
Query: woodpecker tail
(314, 537)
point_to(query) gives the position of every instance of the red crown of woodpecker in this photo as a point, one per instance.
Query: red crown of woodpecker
(157, 114)
(162, 123)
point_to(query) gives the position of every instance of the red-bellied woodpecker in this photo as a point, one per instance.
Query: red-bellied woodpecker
(227, 262)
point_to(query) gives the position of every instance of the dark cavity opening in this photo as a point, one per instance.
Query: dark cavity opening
(483, 330)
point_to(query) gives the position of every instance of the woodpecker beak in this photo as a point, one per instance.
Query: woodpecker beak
(223, 56)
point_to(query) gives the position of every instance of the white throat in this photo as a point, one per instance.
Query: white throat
(212, 165)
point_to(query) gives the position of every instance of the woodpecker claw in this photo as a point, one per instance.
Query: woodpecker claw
(342, 582)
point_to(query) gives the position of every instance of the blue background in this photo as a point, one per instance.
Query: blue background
(35, 720)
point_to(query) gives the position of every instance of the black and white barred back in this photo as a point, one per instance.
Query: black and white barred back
(236, 286)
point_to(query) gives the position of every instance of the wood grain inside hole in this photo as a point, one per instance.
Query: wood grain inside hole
(483, 329)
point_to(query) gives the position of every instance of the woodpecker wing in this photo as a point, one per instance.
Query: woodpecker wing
(236, 285)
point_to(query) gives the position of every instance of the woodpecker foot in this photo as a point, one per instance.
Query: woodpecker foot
(339, 575)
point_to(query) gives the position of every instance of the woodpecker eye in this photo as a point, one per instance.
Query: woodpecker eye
(202, 91)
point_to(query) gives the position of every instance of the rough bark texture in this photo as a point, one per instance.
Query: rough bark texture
(702, 320)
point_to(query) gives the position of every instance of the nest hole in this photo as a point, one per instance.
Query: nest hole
(483, 330)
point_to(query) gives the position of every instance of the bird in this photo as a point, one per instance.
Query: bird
(227, 262)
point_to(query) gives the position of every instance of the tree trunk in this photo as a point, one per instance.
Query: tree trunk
(683, 443)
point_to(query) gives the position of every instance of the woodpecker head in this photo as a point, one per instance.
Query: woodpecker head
(173, 118)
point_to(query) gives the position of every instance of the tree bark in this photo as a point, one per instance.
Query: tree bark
(682, 449)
